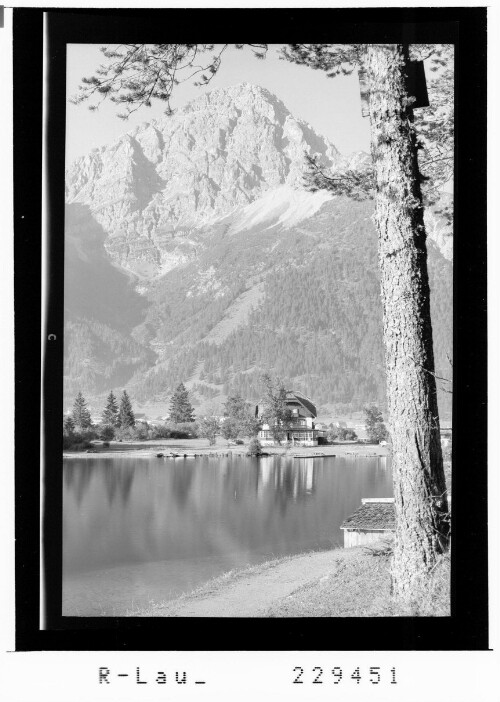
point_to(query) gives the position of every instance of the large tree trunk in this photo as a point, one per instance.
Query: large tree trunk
(419, 483)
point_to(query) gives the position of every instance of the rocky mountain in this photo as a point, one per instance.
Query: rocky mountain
(194, 254)
(220, 153)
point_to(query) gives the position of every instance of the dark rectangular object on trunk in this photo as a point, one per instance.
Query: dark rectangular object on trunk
(416, 84)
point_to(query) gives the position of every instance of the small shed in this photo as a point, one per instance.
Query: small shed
(370, 522)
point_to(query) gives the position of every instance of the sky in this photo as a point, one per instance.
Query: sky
(330, 105)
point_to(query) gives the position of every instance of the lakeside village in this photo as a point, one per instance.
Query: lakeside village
(283, 423)
(282, 419)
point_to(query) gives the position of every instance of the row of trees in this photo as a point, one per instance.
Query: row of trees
(236, 423)
(113, 416)
(122, 415)
(238, 420)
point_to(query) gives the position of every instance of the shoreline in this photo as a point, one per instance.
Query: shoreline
(196, 448)
(338, 582)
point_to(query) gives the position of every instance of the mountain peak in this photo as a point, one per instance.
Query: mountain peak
(223, 151)
(241, 96)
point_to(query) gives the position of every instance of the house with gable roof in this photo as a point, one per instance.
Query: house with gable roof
(301, 430)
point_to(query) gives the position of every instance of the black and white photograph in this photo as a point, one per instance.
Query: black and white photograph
(249, 357)
(263, 381)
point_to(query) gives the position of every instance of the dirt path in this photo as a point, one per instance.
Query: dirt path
(251, 595)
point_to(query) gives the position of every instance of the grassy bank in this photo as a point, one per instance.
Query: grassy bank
(360, 587)
(340, 583)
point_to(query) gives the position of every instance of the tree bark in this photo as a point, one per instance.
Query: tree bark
(418, 475)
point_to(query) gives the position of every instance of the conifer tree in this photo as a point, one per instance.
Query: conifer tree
(81, 414)
(68, 425)
(125, 415)
(181, 409)
(110, 413)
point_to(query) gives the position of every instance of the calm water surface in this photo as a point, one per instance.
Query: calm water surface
(142, 530)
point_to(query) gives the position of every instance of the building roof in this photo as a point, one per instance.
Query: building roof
(374, 514)
(292, 395)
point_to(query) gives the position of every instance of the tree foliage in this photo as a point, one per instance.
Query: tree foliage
(276, 412)
(135, 74)
(209, 428)
(81, 413)
(68, 426)
(181, 409)
(106, 432)
(358, 184)
(374, 424)
(254, 447)
(126, 416)
(239, 419)
(341, 434)
(434, 124)
(110, 412)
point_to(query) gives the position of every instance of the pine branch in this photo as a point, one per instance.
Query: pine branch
(138, 73)
(357, 184)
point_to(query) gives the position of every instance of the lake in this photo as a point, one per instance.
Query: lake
(144, 530)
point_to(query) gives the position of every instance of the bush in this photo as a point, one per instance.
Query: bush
(170, 430)
(341, 434)
(140, 432)
(332, 434)
(350, 435)
(189, 430)
(79, 441)
(106, 432)
(124, 434)
(81, 446)
(160, 431)
(254, 447)
(174, 434)
(209, 428)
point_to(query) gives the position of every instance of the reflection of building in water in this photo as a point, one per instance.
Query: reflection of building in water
(301, 430)
(309, 471)
(294, 479)
(304, 477)
(266, 474)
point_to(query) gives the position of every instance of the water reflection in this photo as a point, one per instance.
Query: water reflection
(153, 526)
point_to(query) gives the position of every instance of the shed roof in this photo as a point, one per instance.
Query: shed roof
(373, 514)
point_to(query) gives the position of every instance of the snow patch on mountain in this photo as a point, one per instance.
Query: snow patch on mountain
(285, 206)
